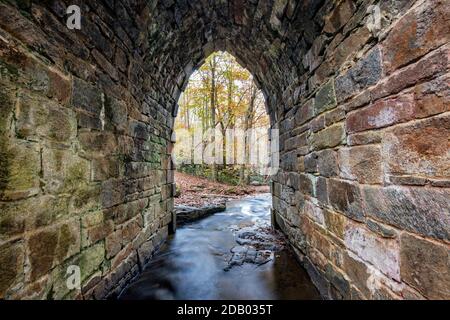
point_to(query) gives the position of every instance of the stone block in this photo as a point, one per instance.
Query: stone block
(92, 234)
(37, 117)
(382, 114)
(350, 46)
(330, 137)
(421, 30)
(339, 16)
(339, 282)
(334, 116)
(90, 260)
(367, 72)
(113, 193)
(383, 254)
(317, 124)
(12, 256)
(304, 113)
(325, 98)
(327, 163)
(52, 246)
(86, 197)
(131, 230)
(63, 171)
(104, 168)
(315, 213)
(432, 97)
(335, 223)
(346, 197)
(310, 163)
(306, 184)
(98, 142)
(87, 97)
(382, 230)
(105, 64)
(7, 105)
(20, 163)
(113, 244)
(362, 138)
(321, 189)
(60, 87)
(409, 208)
(363, 164)
(116, 113)
(425, 265)
(421, 148)
(357, 271)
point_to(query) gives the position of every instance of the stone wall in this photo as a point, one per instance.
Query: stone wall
(86, 120)
(86, 178)
(364, 189)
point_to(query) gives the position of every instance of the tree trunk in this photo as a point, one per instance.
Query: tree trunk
(223, 131)
(213, 115)
(244, 177)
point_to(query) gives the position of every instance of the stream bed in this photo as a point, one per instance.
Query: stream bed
(230, 255)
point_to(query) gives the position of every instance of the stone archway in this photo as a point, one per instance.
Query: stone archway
(358, 90)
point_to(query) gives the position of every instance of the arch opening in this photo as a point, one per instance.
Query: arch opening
(223, 106)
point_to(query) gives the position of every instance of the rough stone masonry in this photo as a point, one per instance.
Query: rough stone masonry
(359, 90)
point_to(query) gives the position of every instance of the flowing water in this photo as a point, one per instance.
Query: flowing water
(230, 255)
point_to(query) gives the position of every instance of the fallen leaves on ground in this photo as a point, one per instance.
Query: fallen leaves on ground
(200, 192)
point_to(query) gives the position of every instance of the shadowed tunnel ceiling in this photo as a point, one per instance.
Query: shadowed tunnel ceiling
(269, 38)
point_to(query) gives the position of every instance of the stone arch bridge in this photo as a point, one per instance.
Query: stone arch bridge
(359, 90)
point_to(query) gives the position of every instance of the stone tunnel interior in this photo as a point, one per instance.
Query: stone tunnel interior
(357, 88)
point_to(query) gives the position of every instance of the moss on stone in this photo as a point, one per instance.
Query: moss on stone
(76, 176)
(41, 248)
(91, 259)
(65, 241)
(9, 72)
(50, 210)
(12, 221)
(5, 158)
(87, 197)
(20, 167)
(23, 172)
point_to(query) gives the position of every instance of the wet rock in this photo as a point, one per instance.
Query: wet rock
(186, 214)
(257, 239)
(257, 245)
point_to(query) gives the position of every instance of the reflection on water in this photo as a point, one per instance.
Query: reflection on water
(195, 263)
